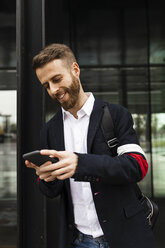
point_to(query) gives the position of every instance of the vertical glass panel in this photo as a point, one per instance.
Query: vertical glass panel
(104, 83)
(8, 79)
(8, 192)
(57, 14)
(157, 31)
(7, 168)
(138, 102)
(7, 46)
(158, 129)
(134, 43)
(105, 36)
(8, 35)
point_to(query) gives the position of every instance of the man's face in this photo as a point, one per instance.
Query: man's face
(62, 84)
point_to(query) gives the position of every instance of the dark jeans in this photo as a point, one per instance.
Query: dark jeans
(87, 241)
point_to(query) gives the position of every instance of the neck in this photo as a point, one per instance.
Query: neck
(81, 101)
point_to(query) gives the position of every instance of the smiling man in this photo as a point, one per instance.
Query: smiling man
(63, 84)
(99, 206)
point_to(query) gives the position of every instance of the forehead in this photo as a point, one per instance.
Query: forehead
(51, 69)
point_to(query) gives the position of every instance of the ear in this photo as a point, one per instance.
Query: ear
(75, 69)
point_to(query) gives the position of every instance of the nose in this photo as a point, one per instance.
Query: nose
(53, 88)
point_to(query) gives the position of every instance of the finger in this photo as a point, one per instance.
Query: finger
(50, 179)
(45, 164)
(48, 168)
(47, 152)
(44, 176)
(60, 172)
(27, 162)
(54, 153)
(68, 169)
(65, 176)
(51, 153)
(54, 166)
(31, 165)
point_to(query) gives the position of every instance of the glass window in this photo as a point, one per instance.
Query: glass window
(112, 33)
(7, 45)
(157, 33)
(8, 95)
(158, 129)
(8, 167)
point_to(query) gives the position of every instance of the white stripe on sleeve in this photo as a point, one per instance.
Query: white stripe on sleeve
(130, 148)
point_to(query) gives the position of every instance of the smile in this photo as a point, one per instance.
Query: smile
(60, 97)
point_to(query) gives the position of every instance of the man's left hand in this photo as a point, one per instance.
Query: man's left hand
(65, 167)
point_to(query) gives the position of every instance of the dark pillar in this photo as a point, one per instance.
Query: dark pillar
(31, 204)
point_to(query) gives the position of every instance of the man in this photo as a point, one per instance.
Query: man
(99, 207)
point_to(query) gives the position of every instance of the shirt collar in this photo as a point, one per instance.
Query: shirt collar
(86, 108)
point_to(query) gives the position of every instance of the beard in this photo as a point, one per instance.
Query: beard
(73, 93)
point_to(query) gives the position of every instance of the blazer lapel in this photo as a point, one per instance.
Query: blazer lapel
(57, 142)
(94, 122)
(57, 132)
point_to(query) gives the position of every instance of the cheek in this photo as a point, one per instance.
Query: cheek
(50, 94)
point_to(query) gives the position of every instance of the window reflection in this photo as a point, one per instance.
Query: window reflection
(8, 167)
(7, 144)
(105, 36)
(7, 44)
(158, 151)
(157, 34)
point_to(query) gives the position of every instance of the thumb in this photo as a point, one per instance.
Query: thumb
(59, 154)
(31, 165)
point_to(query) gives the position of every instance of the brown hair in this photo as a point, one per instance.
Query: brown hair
(51, 52)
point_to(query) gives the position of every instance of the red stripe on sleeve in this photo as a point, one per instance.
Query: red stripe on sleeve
(142, 162)
(38, 179)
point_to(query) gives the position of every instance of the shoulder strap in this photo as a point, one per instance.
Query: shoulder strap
(108, 130)
(110, 137)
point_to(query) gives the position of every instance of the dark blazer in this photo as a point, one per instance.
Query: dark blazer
(112, 180)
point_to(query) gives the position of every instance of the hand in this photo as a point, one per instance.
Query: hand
(63, 169)
(46, 176)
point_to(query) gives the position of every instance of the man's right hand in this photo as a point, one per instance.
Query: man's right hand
(46, 175)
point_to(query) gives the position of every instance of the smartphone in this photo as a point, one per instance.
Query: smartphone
(36, 158)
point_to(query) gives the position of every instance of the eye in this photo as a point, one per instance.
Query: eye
(46, 85)
(56, 80)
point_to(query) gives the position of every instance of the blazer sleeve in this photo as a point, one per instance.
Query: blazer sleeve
(129, 166)
(54, 188)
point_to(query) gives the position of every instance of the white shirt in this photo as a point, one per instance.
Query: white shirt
(75, 136)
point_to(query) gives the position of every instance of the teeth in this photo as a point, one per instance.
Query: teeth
(60, 97)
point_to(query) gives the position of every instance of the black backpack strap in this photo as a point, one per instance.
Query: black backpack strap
(108, 131)
(110, 137)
